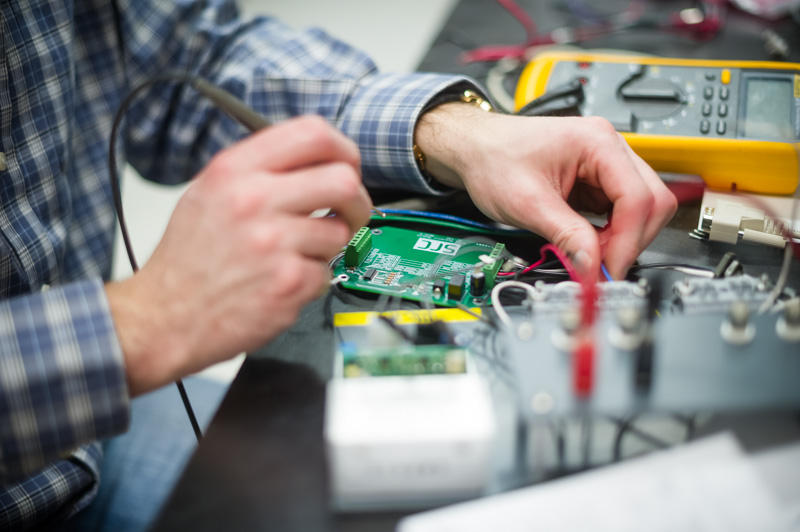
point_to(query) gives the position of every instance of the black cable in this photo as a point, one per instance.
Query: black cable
(483, 346)
(626, 426)
(586, 432)
(622, 426)
(691, 424)
(558, 434)
(667, 265)
(396, 328)
(198, 432)
(115, 189)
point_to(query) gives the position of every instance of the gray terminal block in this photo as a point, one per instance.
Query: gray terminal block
(713, 353)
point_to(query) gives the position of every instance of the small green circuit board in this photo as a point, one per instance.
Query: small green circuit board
(404, 361)
(422, 266)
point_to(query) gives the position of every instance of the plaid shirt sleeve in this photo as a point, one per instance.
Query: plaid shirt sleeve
(62, 379)
(278, 71)
(62, 384)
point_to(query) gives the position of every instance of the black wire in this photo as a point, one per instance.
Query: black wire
(636, 267)
(396, 328)
(691, 424)
(626, 426)
(112, 155)
(622, 426)
(558, 434)
(115, 189)
(586, 432)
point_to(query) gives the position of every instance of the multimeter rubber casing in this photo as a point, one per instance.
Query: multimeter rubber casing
(735, 123)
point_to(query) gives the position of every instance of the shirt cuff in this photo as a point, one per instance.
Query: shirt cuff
(62, 376)
(380, 118)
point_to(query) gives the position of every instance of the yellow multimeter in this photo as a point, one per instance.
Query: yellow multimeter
(735, 123)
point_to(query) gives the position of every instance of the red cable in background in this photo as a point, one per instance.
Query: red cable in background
(522, 17)
(497, 52)
(712, 22)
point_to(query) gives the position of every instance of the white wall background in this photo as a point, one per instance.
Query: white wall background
(395, 34)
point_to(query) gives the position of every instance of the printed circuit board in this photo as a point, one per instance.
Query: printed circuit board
(421, 266)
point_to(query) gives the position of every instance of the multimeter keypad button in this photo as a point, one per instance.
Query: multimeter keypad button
(710, 76)
(722, 110)
(721, 127)
(705, 126)
(724, 92)
(706, 109)
(708, 93)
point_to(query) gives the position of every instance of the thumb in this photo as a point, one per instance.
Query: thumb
(574, 235)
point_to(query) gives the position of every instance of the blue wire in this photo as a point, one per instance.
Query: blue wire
(450, 218)
(605, 272)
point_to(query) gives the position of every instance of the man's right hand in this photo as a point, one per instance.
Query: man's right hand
(240, 256)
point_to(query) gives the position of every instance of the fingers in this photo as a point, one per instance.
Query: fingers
(304, 280)
(641, 203)
(261, 195)
(613, 170)
(664, 202)
(642, 206)
(335, 186)
(317, 238)
(570, 232)
(296, 143)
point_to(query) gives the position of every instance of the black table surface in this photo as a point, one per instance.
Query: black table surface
(261, 465)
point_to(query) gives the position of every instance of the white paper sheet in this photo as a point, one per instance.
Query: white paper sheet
(705, 486)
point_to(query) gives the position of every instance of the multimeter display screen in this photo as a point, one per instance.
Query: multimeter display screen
(768, 111)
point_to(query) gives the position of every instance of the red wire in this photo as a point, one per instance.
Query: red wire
(587, 283)
(564, 260)
(573, 275)
(495, 53)
(522, 17)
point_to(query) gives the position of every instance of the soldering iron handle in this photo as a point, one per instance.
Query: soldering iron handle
(232, 105)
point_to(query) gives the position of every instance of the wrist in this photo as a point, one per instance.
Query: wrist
(151, 343)
(444, 135)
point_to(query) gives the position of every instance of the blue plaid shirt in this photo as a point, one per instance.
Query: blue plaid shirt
(64, 68)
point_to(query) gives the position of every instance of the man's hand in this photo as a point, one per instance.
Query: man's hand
(536, 173)
(240, 256)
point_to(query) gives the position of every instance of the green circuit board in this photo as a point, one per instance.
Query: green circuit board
(434, 359)
(421, 266)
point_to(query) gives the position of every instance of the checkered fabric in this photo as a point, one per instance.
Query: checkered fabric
(64, 68)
